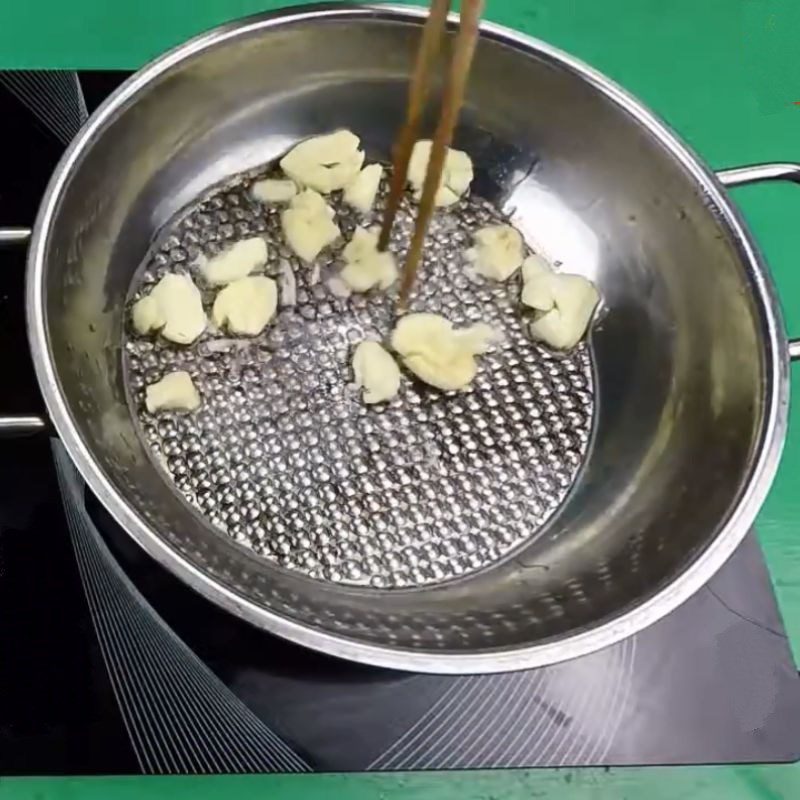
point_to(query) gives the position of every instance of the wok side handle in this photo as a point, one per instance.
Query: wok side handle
(19, 424)
(759, 173)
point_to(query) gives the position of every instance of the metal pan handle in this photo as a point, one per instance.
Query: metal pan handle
(10, 424)
(20, 425)
(759, 173)
(9, 236)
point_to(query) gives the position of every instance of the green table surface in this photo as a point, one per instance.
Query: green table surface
(726, 75)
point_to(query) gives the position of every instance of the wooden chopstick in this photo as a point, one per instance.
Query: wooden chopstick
(427, 55)
(455, 86)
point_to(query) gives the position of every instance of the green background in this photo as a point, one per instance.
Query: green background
(725, 74)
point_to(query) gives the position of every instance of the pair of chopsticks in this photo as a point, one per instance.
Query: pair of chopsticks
(455, 86)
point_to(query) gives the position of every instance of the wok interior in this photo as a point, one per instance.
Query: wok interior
(678, 351)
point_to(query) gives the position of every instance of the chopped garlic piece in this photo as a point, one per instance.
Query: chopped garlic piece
(273, 190)
(175, 307)
(174, 392)
(360, 193)
(147, 315)
(288, 285)
(246, 306)
(565, 303)
(479, 338)
(456, 175)
(537, 283)
(365, 266)
(376, 372)
(498, 252)
(308, 224)
(236, 261)
(438, 354)
(325, 163)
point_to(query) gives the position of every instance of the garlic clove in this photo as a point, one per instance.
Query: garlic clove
(273, 190)
(437, 353)
(246, 306)
(236, 261)
(360, 193)
(175, 307)
(376, 372)
(478, 338)
(325, 163)
(566, 303)
(308, 225)
(365, 266)
(498, 251)
(147, 316)
(538, 279)
(287, 284)
(174, 392)
(457, 173)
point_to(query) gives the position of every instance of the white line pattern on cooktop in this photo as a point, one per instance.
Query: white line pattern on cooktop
(498, 734)
(522, 718)
(455, 697)
(436, 708)
(149, 749)
(171, 755)
(625, 685)
(185, 719)
(427, 739)
(469, 729)
(511, 753)
(54, 97)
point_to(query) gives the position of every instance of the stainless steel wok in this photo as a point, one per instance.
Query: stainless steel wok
(690, 360)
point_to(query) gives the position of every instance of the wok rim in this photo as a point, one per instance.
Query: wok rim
(732, 529)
